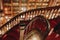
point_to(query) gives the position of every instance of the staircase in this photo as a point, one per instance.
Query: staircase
(50, 29)
(48, 13)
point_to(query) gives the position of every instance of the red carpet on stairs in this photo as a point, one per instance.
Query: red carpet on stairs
(53, 35)
(13, 34)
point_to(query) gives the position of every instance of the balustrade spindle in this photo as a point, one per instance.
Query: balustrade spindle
(4, 29)
(51, 13)
(45, 11)
(0, 33)
(36, 13)
(7, 27)
(48, 14)
(30, 15)
(16, 21)
(12, 24)
(33, 14)
(24, 16)
(19, 18)
(54, 13)
(57, 13)
(39, 12)
(42, 12)
(59, 10)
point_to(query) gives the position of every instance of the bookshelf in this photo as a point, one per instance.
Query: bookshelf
(13, 7)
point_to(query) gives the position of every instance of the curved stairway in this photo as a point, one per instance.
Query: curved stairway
(48, 13)
(50, 29)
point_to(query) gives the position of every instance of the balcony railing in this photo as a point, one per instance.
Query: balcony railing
(48, 13)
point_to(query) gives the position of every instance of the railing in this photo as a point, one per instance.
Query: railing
(49, 13)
